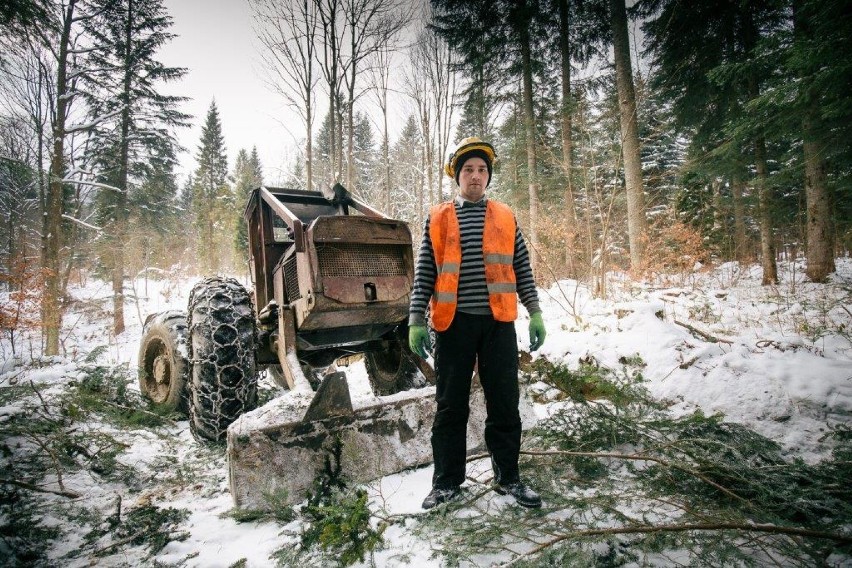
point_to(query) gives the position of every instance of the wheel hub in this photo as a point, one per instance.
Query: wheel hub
(161, 370)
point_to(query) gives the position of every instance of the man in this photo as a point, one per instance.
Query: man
(472, 267)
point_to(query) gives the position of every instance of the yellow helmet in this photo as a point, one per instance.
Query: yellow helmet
(468, 148)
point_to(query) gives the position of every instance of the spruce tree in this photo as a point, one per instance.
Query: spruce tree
(212, 198)
(248, 175)
(709, 95)
(406, 172)
(155, 214)
(366, 157)
(134, 120)
(806, 108)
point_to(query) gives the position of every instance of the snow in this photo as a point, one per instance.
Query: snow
(781, 366)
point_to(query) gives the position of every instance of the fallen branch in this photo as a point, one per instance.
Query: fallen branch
(121, 542)
(31, 487)
(165, 419)
(634, 457)
(703, 334)
(651, 529)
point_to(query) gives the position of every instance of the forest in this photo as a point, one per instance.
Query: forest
(647, 137)
(681, 174)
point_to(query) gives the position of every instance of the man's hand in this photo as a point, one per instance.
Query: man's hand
(537, 332)
(418, 340)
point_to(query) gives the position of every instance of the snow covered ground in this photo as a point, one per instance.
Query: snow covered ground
(775, 359)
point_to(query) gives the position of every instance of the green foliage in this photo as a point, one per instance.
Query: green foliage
(340, 525)
(601, 463)
(591, 381)
(148, 525)
(213, 200)
(337, 520)
(153, 526)
(24, 536)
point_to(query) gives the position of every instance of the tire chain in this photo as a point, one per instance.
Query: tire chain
(223, 370)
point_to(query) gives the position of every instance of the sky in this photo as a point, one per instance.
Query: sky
(216, 44)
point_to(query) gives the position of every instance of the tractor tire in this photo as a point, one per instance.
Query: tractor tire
(223, 370)
(163, 365)
(392, 369)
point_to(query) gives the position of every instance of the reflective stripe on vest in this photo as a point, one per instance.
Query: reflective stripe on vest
(498, 249)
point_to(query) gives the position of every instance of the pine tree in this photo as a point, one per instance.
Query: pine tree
(366, 158)
(709, 96)
(134, 120)
(406, 173)
(248, 175)
(806, 107)
(155, 215)
(212, 198)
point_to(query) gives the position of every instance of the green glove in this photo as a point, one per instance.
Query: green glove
(418, 340)
(537, 332)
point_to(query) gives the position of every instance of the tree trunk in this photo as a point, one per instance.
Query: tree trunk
(718, 213)
(386, 154)
(567, 145)
(636, 225)
(764, 197)
(741, 246)
(350, 134)
(820, 228)
(52, 300)
(120, 211)
(427, 153)
(309, 146)
(529, 127)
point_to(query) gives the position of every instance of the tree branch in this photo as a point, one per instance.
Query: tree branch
(31, 487)
(650, 529)
(634, 457)
(704, 335)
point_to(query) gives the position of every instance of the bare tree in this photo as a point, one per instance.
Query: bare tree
(380, 84)
(23, 99)
(288, 31)
(417, 89)
(370, 25)
(445, 94)
(431, 84)
(329, 13)
(529, 125)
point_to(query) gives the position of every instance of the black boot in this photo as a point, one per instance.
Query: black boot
(522, 494)
(440, 495)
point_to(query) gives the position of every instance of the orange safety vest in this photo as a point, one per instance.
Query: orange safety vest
(498, 249)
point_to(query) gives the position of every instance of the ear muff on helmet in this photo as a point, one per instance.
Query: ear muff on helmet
(474, 145)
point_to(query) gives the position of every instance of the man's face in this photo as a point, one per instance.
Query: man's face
(473, 179)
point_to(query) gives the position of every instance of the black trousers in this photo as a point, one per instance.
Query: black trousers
(471, 339)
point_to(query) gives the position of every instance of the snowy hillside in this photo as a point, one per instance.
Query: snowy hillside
(638, 376)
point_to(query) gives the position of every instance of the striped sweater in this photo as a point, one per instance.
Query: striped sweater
(473, 290)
